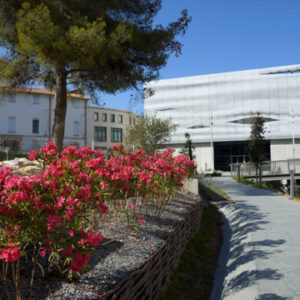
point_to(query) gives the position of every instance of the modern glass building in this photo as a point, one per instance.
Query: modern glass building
(216, 110)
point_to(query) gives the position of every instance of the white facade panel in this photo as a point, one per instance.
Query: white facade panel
(220, 105)
(224, 99)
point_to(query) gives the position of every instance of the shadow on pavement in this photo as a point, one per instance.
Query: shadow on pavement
(249, 278)
(239, 250)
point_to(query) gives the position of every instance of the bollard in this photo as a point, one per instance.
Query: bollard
(292, 184)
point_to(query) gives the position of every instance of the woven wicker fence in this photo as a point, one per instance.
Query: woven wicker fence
(147, 281)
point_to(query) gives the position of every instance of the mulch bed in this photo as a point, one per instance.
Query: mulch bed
(121, 252)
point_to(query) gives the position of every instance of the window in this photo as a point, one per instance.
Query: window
(104, 117)
(35, 126)
(11, 124)
(112, 118)
(100, 134)
(11, 98)
(36, 99)
(116, 135)
(76, 128)
(120, 118)
(96, 116)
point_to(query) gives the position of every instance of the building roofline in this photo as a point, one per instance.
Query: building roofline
(259, 71)
(112, 109)
(41, 91)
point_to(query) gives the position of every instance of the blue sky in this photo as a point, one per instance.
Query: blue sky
(229, 35)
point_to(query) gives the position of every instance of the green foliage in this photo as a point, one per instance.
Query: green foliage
(88, 45)
(189, 148)
(256, 145)
(275, 185)
(213, 174)
(149, 133)
(12, 155)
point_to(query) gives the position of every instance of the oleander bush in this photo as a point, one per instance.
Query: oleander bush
(56, 214)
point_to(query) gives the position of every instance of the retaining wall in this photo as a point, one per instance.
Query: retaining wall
(147, 281)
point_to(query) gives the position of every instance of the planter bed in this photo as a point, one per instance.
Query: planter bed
(130, 264)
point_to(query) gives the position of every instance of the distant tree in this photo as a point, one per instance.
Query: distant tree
(107, 45)
(189, 148)
(149, 133)
(256, 144)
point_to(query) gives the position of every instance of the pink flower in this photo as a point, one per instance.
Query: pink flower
(10, 254)
(32, 155)
(68, 251)
(79, 261)
(140, 218)
(53, 222)
(71, 232)
(43, 252)
(103, 208)
(93, 239)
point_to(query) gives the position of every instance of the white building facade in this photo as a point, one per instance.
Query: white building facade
(26, 119)
(216, 109)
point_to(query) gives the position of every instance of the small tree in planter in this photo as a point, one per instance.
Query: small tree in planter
(256, 145)
(189, 148)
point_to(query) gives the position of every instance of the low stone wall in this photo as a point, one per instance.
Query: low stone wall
(148, 280)
(191, 185)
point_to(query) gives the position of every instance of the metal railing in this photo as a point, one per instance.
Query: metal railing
(277, 167)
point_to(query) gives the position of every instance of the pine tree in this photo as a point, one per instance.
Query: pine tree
(107, 45)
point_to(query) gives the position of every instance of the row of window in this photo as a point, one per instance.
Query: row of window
(36, 100)
(100, 134)
(12, 98)
(36, 126)
(104, 117)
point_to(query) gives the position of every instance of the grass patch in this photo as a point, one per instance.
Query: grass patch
(211, 191)
(193, 278)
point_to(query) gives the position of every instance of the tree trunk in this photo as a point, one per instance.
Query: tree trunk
(58, 130)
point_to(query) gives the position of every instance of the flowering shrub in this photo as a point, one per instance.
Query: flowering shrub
(58, 212)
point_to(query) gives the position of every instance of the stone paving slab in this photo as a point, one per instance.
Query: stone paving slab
(260, 256)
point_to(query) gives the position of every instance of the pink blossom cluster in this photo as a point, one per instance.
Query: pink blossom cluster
(58, 209)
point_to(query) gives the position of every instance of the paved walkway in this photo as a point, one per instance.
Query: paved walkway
(260, 257)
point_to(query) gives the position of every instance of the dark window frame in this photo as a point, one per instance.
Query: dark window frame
(100, 134)
(116, 135)
(36, 126)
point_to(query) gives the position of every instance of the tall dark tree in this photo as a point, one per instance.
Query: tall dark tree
(107, 45)
(256, 144)
(188, 147)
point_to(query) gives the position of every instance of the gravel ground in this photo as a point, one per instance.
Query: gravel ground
(121, 252)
